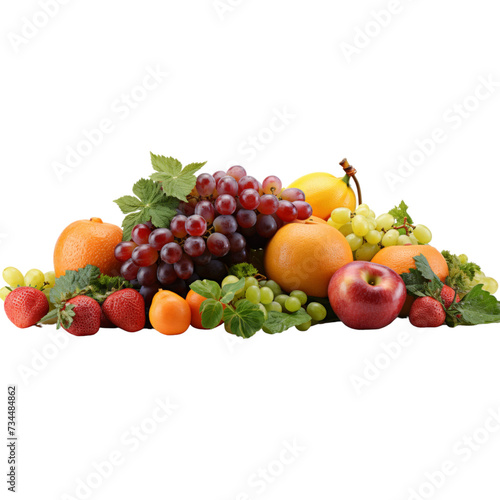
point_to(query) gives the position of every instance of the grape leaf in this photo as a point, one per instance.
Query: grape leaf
(230, 290)
(400, 212)
(177, 182)
(245, 320)
(278, 322)
(211, 313)
(150, 204)
(206, 288)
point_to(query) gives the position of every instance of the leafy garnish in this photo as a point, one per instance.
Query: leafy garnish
(245, 320)
(278, 322)
(206, 288)
(149, 204)
(477, 307)
(462, 275)
(231, 289)
(177, 182)
(400, 213)
(243, 270)
(73, 283)
(211, 313)
(422, 281)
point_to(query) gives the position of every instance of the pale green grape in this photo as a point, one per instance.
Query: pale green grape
(384, 221)
(373, 237)
(367, 252)
(317, 311)
(299, 294)
(346, 229)
(463, 258)
(281, 299)
(50, 278)
(354, 241)
(413, 240)
(262, 283)
(273, 306)
(341, 215)
(274, 287)
(362, 209)
(390, 238)
(292, 304)
(304, 326)
(4, 292)
(250, 281)
(264, 310)
(372, 214)
(13, 277)
(423, 234)
(229, 280)
(266, 295)
(403, 240)
(372, 224)
(490, 285)
(253, 294)
(360, 225)
(34, 278)
(333, 224)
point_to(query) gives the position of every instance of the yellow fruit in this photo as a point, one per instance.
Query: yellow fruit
(13, 277)
(4, 292)
(34, 278)
(325, 192)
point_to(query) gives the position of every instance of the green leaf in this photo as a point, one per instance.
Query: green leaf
(211, 313)
(462, 276)
(150, 204)
(176, 181)
(278, 322)
(245, 320)
(400, 212)
(477, 307)
(72, 283)
(422, 264)
(422, 281)
(206, 288)
(230, 290)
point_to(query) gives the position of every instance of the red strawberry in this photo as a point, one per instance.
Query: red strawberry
(126, 309)
(87, 318)
(105, 323)
(448, 294)
(26, 306)
(427, 312)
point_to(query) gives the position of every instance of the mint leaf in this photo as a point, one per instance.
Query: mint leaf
(476, 308)
(400, 212)
(278, 322)
(206, 288)
(229, 291)
(211, 313)
(245, 320)
(72, 283)
(177, 182)
(150, 204)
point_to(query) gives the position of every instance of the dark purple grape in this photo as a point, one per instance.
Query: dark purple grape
(266, 226)
(179, 287)
(148, 292)
(215, 270)
(225, 224)
(184, 268)
(166, 273)
(218, 244)
(238, 257)
(129, 270)
(171, 253)
(147, 276)
(246, 218)
(194, 246)
(237, 242)
(160, 237)
(186, 208)
(204, 258)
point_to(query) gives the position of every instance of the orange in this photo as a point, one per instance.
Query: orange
(305, 256)
(169, 313)
(194, 300)
(88, 242)
(325, 192)
(400, 259)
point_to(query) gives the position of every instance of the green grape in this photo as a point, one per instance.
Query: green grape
(423, 234)
(281, 299)
(251, 281)
(4, 292)
(373, 237)
(262, 283)
(367, 252)
(264, 310)
(274, 287)
(362, 209)
(384, 221)
(34, 278)
(299, 294)
(360, 225)
(333, 224)
(463, 258)
(390, 238)
(341, 215)
(346, 229)
(413, 240)
(317, 311)
(372, 214)
(50, 278)
(490, 285)
(354, 241)
(292, 304)
(266, 295)
(273, 306)
(253, 294)
(13, 277)
(229, 280)
(372, 224)
(304, 327)
(404, 240)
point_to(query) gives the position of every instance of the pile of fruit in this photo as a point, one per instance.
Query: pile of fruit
(206, 249)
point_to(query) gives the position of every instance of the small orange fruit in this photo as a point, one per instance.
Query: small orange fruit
(169, 313)
(305, 256)
(88, 242)
(400, 259)
(195, 300)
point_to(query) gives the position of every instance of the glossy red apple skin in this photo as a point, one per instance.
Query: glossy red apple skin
(365, 295)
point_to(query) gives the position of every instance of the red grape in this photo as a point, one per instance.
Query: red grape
(144, 256)
(123, 251)
(266, 226)
(227, 185)
(178, 226)
(218, 175)
(225, 204)
(239, 257)
(268, 204)
(246, 218)
(147, 276)
(196, 225)
(293, 194)
(248, 182)
(206, 210)
(287, 211)
(166, 273)
(237, 242)
(205, 184)
(272, 185)
(129, 270)
(225, 224)
(204, 258)
(184, 268)
(304, 209)
(237, 172)
(186, 208)
(218, 244)
(148, 292)
(160, 237)
(140, 234)
(171, 253)
(249, 199)
(194, 246)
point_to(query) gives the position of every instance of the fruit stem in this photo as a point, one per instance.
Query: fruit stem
(351, 172)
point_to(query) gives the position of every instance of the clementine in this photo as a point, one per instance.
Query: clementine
(169, 313)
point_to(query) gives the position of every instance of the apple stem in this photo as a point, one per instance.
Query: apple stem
(351, 173)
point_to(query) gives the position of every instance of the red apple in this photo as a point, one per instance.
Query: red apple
(365, 295)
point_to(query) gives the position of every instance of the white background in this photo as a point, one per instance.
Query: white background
(229, 71)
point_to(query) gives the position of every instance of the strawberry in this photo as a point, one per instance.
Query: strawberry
(427, 312)
(26, 306)
(126, 309)
(448, 294)
(105, 323)
(84, 316)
